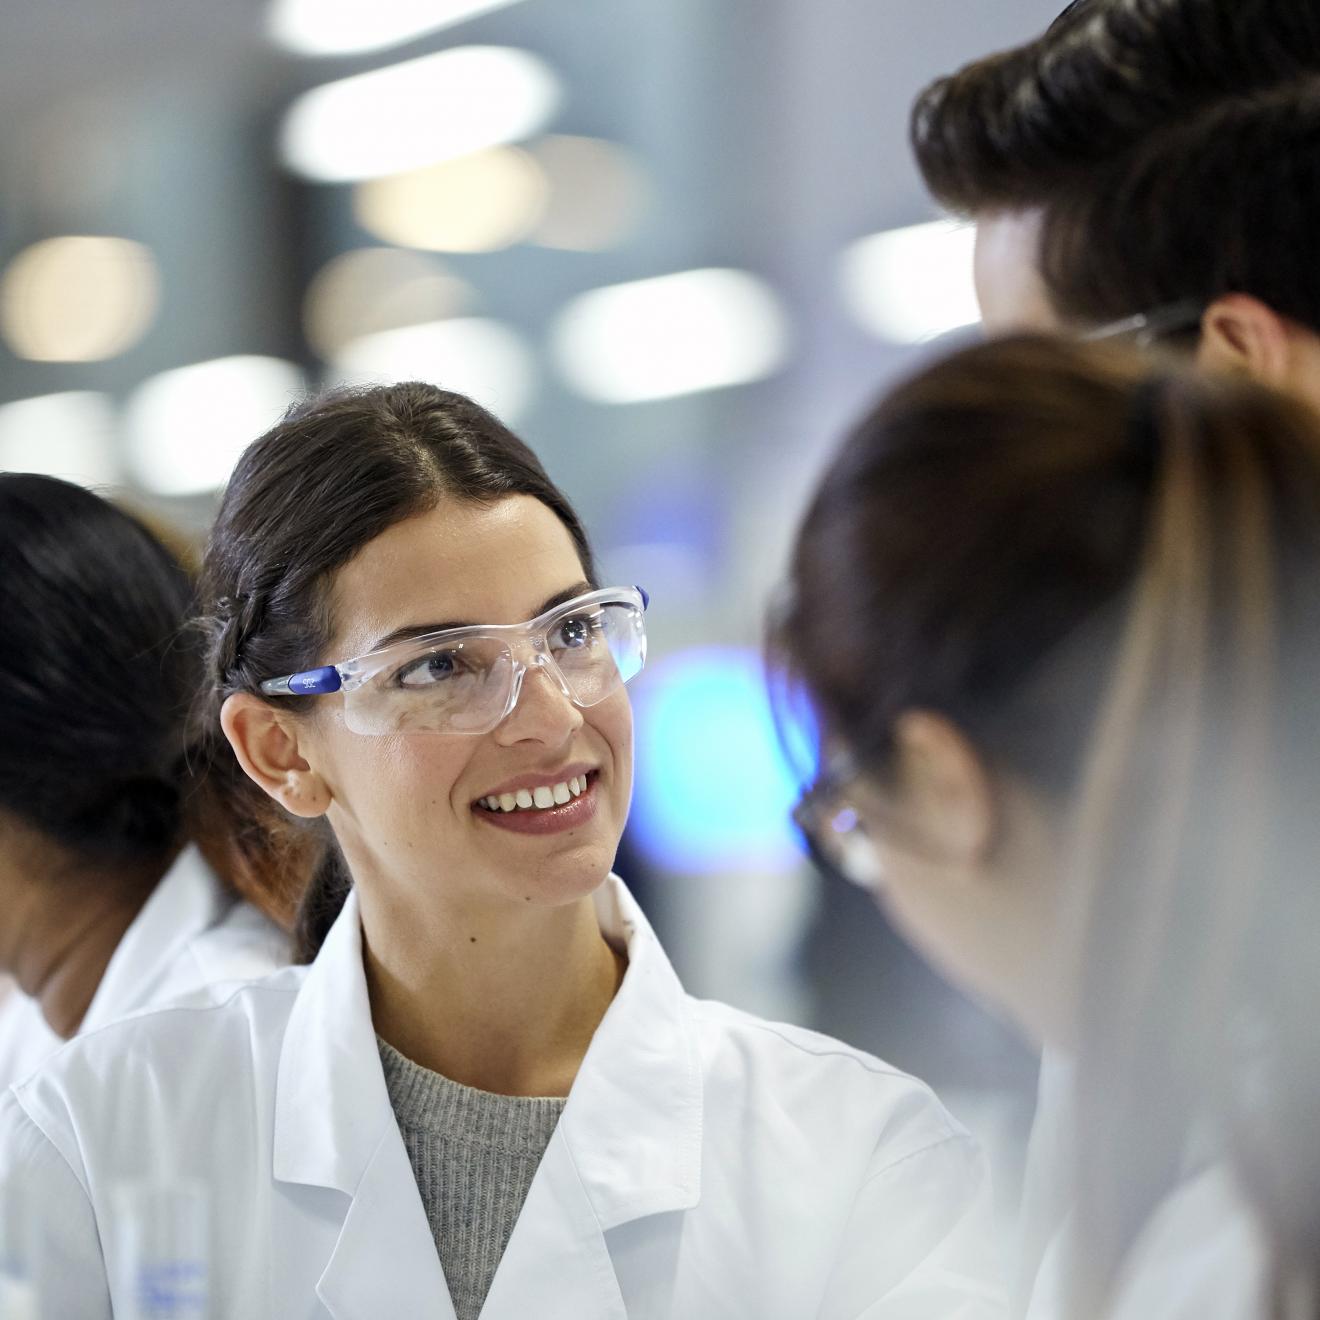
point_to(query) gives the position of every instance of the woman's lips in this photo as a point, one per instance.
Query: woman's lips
(544, 820)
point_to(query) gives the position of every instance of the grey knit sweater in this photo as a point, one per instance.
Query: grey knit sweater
(474, 1156)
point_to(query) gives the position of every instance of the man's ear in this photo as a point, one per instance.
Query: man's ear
(947, 791)
(266, 743)
(1241, 334)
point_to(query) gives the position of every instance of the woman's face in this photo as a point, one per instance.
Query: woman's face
(405, 806)
(976, 894)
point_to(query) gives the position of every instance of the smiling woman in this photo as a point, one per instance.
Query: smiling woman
(488, 1092)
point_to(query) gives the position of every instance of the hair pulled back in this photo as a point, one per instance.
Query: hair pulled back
(1107, 580)
(95, 678)
(1170, 146)
(304, 499)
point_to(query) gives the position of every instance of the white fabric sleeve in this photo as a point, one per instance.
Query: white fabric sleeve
(920, 1243)
(43, 1192)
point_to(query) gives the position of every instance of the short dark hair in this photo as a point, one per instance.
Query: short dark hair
(337, 472)
(1171, 146)
(95, 677)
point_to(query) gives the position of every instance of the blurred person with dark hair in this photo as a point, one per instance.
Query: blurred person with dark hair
(1150, 166)
(1058, 620)
(485, 1091)
(1146, 168)
(111, 897)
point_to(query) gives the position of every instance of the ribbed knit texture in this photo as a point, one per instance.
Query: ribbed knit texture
(474, 1156)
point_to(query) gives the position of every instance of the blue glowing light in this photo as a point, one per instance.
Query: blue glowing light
(714, 790)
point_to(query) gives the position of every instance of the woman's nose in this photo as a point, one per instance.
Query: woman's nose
(544, 709)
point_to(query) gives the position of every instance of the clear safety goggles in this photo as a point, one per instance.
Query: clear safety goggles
(467, 680)
(832, 828)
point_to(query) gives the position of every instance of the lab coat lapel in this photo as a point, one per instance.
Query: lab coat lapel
(385, 1262)
(628, 1144)
(557, 1265)
(335, 1129)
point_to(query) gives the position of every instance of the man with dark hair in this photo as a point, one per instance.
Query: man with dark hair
(1150, 165)
(1148, 168)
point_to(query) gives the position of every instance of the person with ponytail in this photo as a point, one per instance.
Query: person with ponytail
(1144, 169)
(112, 886)
(1055, 610)
(484, 1091)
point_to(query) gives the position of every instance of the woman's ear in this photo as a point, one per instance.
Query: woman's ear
(266, 743)
(947, 792)
(1241, 334)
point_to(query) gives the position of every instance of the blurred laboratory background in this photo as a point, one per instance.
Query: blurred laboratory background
(676, 244)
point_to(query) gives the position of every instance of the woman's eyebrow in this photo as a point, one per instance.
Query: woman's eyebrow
(412, 630)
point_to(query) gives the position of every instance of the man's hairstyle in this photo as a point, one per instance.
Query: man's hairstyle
(1171, 146)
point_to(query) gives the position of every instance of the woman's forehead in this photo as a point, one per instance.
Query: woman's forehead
(458, 563)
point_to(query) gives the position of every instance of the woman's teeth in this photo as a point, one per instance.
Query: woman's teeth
(536, 799)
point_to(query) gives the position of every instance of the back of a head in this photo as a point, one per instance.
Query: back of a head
(304, 499)
(1171, 146)
(1107, 580)
(1008, 130)
(94, 677)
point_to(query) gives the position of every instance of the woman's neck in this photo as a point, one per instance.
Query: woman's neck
(505, 1000)
(68, 918)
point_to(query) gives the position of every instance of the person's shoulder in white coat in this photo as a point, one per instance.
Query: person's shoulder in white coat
(708, 1163)
(1202, 1256)
(192, 931)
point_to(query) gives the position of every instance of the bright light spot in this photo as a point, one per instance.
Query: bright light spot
(486, 360)
(478, 203)
(347, 27)
(373, 289)
(186, 428)
(597, 194)
(418, 112)
(676, 334)
(713, 790)
(907, 285)
(61, 435)
(78, 299)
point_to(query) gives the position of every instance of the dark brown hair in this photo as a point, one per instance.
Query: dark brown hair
(1170, 145)
(95, 677)
(304, 499)
(1107, 579)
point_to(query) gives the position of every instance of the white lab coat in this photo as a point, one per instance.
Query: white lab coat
(192, 931)
(707, 1165)
(1201, 1256)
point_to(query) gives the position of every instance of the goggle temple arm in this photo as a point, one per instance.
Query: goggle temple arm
(310, 683)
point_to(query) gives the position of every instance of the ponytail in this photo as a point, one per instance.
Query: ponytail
(1174, 818)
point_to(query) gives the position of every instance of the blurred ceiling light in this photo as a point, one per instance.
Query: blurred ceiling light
(186, 428)
(478, 203)
(61, 435)
(78, 298)
(417, 113)
(596, 197)
(676, 334)
(349, 27)
(486, 360)
(353, 27)
(906, 285)
(373, 289)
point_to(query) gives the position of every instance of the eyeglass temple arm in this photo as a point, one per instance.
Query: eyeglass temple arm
(310, 683)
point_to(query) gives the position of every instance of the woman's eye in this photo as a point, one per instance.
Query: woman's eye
(427, 671)
(577, 632)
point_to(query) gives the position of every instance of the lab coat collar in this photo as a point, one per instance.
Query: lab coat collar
(632, 1124)
(633, 1119)
(188, 900)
